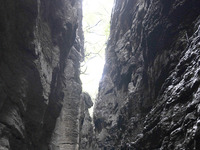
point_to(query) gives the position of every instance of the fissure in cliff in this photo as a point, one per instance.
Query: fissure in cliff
(149, 94)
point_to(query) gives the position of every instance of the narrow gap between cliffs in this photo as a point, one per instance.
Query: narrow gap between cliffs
(96, 27)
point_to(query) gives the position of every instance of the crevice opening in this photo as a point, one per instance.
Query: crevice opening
(96, 27)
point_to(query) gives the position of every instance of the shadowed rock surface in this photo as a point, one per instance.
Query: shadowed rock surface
(149, 94)
(86, 126)
(40, 50)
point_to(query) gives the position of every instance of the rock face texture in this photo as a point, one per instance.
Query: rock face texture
(41, 43)
(149, 96)
(85, 126)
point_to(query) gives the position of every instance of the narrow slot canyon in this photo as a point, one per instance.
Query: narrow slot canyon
(100, 75)
(96, 27)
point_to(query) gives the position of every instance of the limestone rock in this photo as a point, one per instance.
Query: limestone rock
(39, 73)
(85, 123)
(149, 94)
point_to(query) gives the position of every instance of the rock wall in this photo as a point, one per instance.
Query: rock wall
(149, 94)
(85, 123)
(41, 42)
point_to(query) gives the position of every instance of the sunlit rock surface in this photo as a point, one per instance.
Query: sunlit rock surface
(40, 50)
(149, 95)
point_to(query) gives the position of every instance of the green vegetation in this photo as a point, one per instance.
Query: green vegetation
(96, 26)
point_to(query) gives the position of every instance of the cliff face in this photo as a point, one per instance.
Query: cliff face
(85, 126)
(149, 94)
(40, 50)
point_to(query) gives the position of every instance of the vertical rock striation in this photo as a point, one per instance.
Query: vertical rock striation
(85, 123)
(40, 50)
(149, 94)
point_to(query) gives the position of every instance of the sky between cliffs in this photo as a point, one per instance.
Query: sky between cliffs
(96, 26)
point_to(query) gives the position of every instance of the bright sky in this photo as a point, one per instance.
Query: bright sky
(96, 25)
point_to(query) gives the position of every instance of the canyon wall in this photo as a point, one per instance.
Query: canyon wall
(149, 95)
(41, 43)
